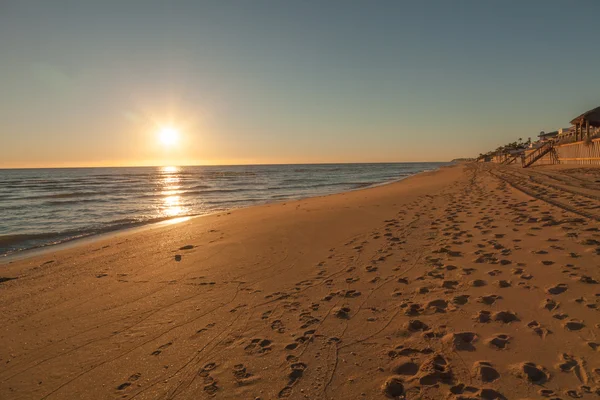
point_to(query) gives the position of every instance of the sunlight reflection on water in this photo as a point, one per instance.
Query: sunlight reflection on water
(172, 206)
(45, 206)
(172, 203)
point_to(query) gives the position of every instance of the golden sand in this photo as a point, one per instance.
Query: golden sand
(473, 281)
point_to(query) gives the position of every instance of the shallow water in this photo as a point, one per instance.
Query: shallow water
(39, 207)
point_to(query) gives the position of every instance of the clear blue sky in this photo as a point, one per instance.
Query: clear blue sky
(91, 82)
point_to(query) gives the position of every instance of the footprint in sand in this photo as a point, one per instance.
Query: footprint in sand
(560, 316)
(393, 388)
(557, 289)
(483, 316)
(546, 392)
(503, 283)
(449, 284)
(412, 309)
(574, 325)
(130, 381)
(498, 341)
(538, 329)
(484, 394)
(342, 312)
(435, 370)
(461, 388)
(462, 341)
(588, 279)
(414, 325)
(240, 372)
(478, 283)
(291, 346)
(405, 366)
(550, 305)
(211, 388)
(278, 326)
(350, 293)
(531, 372)
(570, 363)
(258, 346)
(297, 371)
(461, 299)
(505, 317)
(161, 348)
(484, 371)
(308, 319)
(438, 305)
(422, 290)
(575, 394)
(202, 330)
(489, 299)
(207, 368)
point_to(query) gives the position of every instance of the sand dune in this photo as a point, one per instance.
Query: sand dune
(471, 282)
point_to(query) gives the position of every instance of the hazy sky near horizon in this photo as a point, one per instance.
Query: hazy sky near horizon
(89, 83)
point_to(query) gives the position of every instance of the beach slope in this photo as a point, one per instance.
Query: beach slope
(473, 281)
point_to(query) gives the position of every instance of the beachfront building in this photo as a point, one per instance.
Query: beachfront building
(545, 136)
(566, 134)
(579, 144)
(586, 124)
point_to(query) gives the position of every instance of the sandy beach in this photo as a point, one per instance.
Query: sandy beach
(471, 282)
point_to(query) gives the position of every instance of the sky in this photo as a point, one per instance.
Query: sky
(92, 83)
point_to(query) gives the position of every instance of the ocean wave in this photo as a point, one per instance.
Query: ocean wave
(322, 185)
(236, 201)
(301, 180)
(196, 187)
(213, 191)
(72, 201)
(7, 240)
(66, 195)
(186, 192)
(318, 168)
(13, 242)
(78, 201)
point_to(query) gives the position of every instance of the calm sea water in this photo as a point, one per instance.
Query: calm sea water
(39, 207)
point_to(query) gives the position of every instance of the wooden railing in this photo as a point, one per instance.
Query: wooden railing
(510, 159)
(537, 154)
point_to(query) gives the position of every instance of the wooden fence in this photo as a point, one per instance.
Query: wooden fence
(572, 153)
(579, 152)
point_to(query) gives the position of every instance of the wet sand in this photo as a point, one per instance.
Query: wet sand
(472, 282)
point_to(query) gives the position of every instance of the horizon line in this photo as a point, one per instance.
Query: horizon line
(226, 165)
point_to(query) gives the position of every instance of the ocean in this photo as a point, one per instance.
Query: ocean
(41, 207)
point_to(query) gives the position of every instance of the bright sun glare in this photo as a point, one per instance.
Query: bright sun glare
(168, 136)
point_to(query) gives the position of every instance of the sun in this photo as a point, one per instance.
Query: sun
(168, 136)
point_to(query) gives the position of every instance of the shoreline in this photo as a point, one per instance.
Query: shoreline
(449, 283)
(90, 238)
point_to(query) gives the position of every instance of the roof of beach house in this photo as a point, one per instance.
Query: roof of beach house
(591, 116)
(548, 134)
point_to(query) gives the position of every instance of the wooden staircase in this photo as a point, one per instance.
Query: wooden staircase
(510, 159)
(538, 153)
